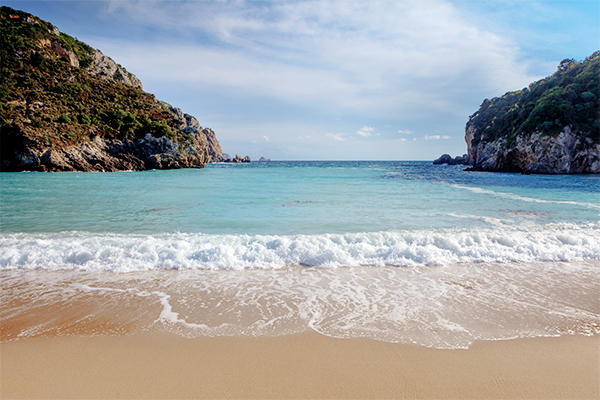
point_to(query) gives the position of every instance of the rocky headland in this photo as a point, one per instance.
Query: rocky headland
(65, 106)
(550, 127)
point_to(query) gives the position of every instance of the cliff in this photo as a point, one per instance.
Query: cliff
(550, 127)
(67, 107)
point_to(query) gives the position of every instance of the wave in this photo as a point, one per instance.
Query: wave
(127, 252)
(513, 196)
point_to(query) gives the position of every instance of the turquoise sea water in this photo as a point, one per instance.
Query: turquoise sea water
(286, 198)
(397, 251)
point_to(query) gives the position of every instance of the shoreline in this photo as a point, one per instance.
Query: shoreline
(446, 307)
(307, 365)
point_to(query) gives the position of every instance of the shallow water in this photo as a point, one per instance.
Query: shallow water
(436, 306)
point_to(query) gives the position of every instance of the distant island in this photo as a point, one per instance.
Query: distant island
(550, 127)
(67, 107)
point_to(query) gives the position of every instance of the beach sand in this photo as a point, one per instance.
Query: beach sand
(162, 365)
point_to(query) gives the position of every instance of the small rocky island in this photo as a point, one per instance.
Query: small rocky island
(65, 106)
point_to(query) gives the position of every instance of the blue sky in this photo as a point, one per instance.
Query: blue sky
(332, 80)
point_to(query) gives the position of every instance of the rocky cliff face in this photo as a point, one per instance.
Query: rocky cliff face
(189, 125)
(469, 135)
(550, 127)
(567, 153)
(107, 69)
(67, 107)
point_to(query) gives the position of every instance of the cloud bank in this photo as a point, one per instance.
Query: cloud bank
(331, 64)
(385, 56)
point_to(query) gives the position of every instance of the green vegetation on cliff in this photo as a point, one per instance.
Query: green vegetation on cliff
(51, 95)
(568, 98)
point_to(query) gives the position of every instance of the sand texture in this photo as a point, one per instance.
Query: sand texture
(161, 365)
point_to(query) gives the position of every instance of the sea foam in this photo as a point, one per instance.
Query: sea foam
(136, 252)
(512, 196)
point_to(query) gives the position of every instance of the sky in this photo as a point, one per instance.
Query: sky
(332, 80)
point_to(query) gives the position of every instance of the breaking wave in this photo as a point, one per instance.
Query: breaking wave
(182, 251)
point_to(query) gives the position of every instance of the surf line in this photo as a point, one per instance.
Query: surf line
(167, 315)
(512, 196)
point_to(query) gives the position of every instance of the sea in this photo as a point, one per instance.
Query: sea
(398, 251)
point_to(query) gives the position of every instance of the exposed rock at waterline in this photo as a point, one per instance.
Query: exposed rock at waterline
(567, 153)
(447, 159)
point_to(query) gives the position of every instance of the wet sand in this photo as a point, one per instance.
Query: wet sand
(162, 365)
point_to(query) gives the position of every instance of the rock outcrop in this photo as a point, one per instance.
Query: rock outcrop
(104, 67)
(240, 159)
(57, 48)
(99, 65)
(447, 159)
(189, 125)
(226, 158)
(551, 127)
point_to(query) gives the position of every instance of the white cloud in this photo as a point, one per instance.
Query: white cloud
(337, 136)
(266, 138)
(365, 131)
(435, 137)
(291, 64)
(390, 56)
(402, 139)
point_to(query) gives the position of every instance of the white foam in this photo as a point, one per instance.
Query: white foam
(447, 306)
(88, 288)
(123, 253)
(489, 220)
(513, 196)
(167, 315)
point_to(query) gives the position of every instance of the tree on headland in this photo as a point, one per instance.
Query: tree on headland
(569, 97)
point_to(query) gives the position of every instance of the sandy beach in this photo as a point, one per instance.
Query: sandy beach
(162, 365)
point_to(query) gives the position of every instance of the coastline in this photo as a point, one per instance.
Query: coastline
(308, 365)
